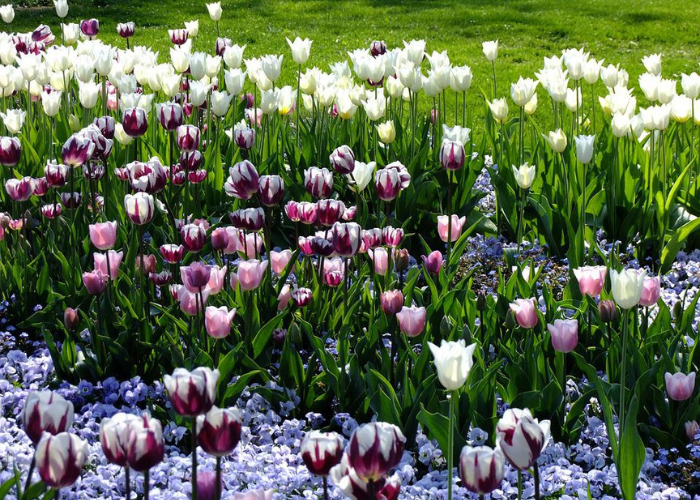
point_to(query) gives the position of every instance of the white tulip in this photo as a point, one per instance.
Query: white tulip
(522, 91)
(88, 93)
(214, 11)
(490, 50)
(192, 28)
(652, 63)
(584, 147)
(499, 110)
(272, 65)
(286, 99)
(691, 85)
(300, 49)
(620, 124)
(13, 120)
(51, 102)
(525, 175)
(460, 78)
(453, 361)
(233, 56)
(7, 13)
(556, 140)
(362, 175)
(234, 79)
(627, 286)
(61, 8)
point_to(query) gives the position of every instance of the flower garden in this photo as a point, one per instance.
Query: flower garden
(218, 282)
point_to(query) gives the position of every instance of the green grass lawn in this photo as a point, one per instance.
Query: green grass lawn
(528, 30)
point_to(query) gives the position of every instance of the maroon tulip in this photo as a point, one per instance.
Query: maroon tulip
(343, 160)
(452, 155)
(147, 177)
(374, 449)
(304, 245)
(433, 262)
(346, 238)
(219, 238)
(308, 212)
(392, 236)
(301, 296)
(106, 125)
(60, 459)
(135, 122)
(206, 485)
(191, 160)
(193, 237)
(291, 209)
(71, 200)
(372, 238)
(243, 181)
(188, 137)
(10, 151)
(77, 150)
(377, 48)
(146, 264)
(114, 437)
(195, 276)
(170, 116)
(56, 174)
(126, 30)
(192, 393)
(391, 180)
(42, 33)
(46, 412)
(321, 451)
(51, 211)
(146, 447)
(330, 211)
(322, 246)
(172, 254)
(219, 431)
(221, 44)
(318, 182)
(252, 219)
(179, 36)
(271, 190)
(244, 137)
(90, 27)
(20, 189)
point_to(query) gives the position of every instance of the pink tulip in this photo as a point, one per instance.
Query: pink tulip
(411, 320)
(95, 282)
(457, 224)
(284, 297)
(254, 495)
(280, 260)
(234, 240)
(219, 238)
(103, 234)
(218, 321)
(651, 291)
(334, 264)
(391, 301)
(433, 262)
(591, 279)
(250, 273)
(525, 312)
(380, 258)
(564, 334)
(115, 260)
(195, 276)
(233, 281)
(189, 301)
(691, 429)
(680, 386)
(217, 279)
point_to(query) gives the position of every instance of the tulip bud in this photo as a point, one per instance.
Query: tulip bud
(607, 311)
(525, 312)
(391, 302)
(71, 320)
(401, 260)
(301, 296)
(510, 322)
(691, 429)
(411, 320)
(481, 468)
(206, 485)
(46, 412)
(374, 449)
(446, 326)
(680, 386)
(678, 310)
(343, 160)
(481, 301)
(321, 451)
(521, 437)
(114, 437)
(146, 447)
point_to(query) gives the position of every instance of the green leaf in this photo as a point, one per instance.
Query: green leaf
(632, 453)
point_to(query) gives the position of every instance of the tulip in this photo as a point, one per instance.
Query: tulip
(452, 155)
(318, 182)
(146, 447)
(380, 259)
(13, 120)
(584, 147)
(680, 386)
(499, 110)
(280, 261)
(103, 234)
(481, 468)
(346, 479)
(388, 184)
(330, 211)
(170, 116)
(374, 449)
(135, 122)
(146, 263)
(607, 311)
(46, 412)
(71, 200)
(219, 431)
(220, 103)
(218, 321)
(192, 393)
(652, 63)
(95, 282)
(342, 160)
(190, 302)
(453, 361)
(271, 67)
(392, 237)
(243, 181)
(113, 258)
(490, 50)
(271, 190)
(178, 37)
(387, 132)
(77, 151)
(651, 291)
(457, 225)
(590, 279)
(90, 27)
(391, 302)
(219, 239)
(283, 298)
(258, 494)
(20, 189)
(114, 437)
(564, 334)
(433, 262)
(214, 11)
(250, 273)
(10, 151)
(691, 429)
(525, 175)
(61, 8)
(301, 296)
(139, 208)
(411, 320)
(195, 276)
(300, 49)
(522, 438)
(522, 91)
(362, 175)
(60, 459)
(193, 237)
(172, 254)
(321, 451)
(346, 238)
(556, 140)
(126, 30)
(244, 137)
(188, 137)
(525, 312)
(627, 287)
(691, 85)
(71, 320)
(207, 488)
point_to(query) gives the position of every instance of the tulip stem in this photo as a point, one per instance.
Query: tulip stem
(450, 443)
(218, 478)
(536, 475)
(29, 476)
(449, 218)
(520, 484)
(325, 487)
(194, 458)
(146, 483)
(127, 482)
(623, 376)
